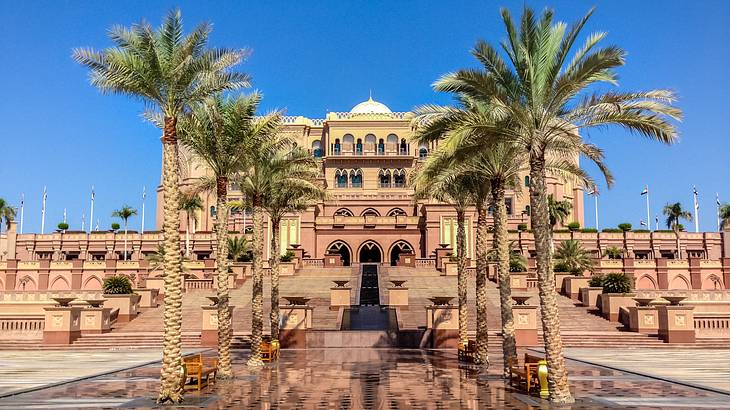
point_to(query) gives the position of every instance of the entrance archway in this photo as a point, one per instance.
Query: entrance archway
(370, 253)
(340, 248)
(398, 248)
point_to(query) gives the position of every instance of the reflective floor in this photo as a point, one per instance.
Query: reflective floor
(368, 379)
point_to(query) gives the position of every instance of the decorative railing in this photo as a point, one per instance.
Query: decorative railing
(695, 295)
(315, 263)
(425, 263)
(128, 264)
(21, 327)
(531, 283)
(712, 326)
(352, 115)
(10, 296)
(194, 284)
(94, 264)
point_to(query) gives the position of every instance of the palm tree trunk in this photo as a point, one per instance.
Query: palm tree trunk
(482, 353)
(461, 272)
(187, 237)
(257, 295)
(172, 367)
(126, 225)
(224, 313)
(509, 347)
(557, 374)
(275, 256)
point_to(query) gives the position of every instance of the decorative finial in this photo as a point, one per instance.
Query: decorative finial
(371, 95)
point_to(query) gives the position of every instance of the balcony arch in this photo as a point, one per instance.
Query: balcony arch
(370, 143)
(344, 212)
(356, 178)
(317, 148)
(397, 249)
(399, 178)
(340, 248)
(370, 212)
(384, 178)
(341, 178)
(348, 143)
(370, 252)
(397, 212)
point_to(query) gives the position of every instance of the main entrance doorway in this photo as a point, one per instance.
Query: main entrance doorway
(370, 253)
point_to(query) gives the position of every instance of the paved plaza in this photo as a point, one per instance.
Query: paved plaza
(353, 379)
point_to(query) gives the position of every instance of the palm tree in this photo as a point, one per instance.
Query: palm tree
(7, 213)
(260, 175)
(724, 215)
(541, 92)
(124, 213)
(169, 71)
(571, 256)
(297, 192)
(211, 132)
(190, 203)
(558, 211)
(238, 246)
(675, 213)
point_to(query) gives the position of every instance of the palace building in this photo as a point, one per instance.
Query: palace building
(370, 214)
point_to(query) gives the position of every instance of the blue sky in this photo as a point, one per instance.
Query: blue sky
(310, 57)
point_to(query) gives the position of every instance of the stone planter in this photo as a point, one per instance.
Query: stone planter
(286, 268)
(643, 319)
(676, 324)
(612, 302)
(128, 305)
(95, 320)
(573, 284)
(148, 297)
(451, 269)
(589, 296)
(443, 323)
(518, 281)
(560, 278)
(156, 283)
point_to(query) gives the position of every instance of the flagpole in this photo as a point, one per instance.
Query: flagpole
(697, 206)
(64, 216)
(648, 212)
(144, 196)
(596, 200)
(91, 215)
(83, 222)
(43, 211)
(717, 201)
(22, 211)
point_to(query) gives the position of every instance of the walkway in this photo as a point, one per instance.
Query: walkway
(369, 379)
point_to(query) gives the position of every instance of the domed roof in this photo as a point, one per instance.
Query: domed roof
(370, 107)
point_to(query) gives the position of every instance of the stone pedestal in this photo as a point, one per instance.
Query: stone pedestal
(518, 281)
(442, 255)
(156, 283)
(286, 268)
(611, 303)
(209, 329)
(572, 285)
(525, 319)
(147, 297)
(340, 296)
(676, 324)
(443, 324)
(128, 305)
(643, 319)
(95, 320)
(398, 296)
(62, 324)
(407, 259)
(559, 279)
(451, 268)
(294, 322)
(589, 296)
(332, 260)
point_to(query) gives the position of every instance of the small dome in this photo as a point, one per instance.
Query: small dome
(370, 107)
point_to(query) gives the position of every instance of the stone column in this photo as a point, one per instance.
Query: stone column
(62, 324)
(209, 329)
(662, 273)
(695, 273)
(643, 319)
(443, 324)
(295, 321)
(676, 324)
(77, 274)
(525, 319)
(44, 271)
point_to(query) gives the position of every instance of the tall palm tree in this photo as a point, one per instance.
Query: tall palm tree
(541, 92)
(558, 211)
(675, 214)
(7, 213)
(260, 175)
(724, 215)
(124, 213)
(169, 71)
(190, 203)
(212, 133)
(297, 192)
(573, 257)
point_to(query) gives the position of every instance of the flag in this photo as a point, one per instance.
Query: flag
(642, 223)
(717, 199)
(92, 193)
(144, 193)
(645, 191)
(694, 190)
(22, 200)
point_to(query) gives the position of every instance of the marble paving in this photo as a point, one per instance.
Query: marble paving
(368, 378)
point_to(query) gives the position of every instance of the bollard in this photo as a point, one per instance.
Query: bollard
(542, 373)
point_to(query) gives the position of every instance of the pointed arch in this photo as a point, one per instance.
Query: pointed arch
(92, 283)
(646, 282)
(26, 283)
(399, 247)
(679, 283)
(60, 283)
(397, 212)
(370, 211)
(713, 282)
(343, 249)
(370, 252)
(344, 212)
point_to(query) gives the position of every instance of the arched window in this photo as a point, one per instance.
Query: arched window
(337, 147)
(370, 212)
(340, 179)
(356, 178)
(358, 147)
(391, 143)
(396, 212)
(527, 180)
(317, 148)
(381, 147)
(384, 177)
(403, 147)
(370, 143)
(528, 210)
(422, 153)
(343, 212)
(348, 142)
(399, 178)
(212, 211)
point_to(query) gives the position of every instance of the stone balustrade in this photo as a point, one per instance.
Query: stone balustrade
(708, 326)
(21, 327)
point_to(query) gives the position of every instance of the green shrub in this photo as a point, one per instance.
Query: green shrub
(641, 231)
(680, 227)
(287, 256)
(62, 226)
(574, 226)
(589, 230)
(561, 231)
(521, 227)
(115, 226)
(117, 285)
(624, 227)
(596, 281)
(616, 283)
(561, 267)
(611, 230)
(614, 252)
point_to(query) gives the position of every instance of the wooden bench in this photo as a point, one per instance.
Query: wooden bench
(467, 351)
(270, 351)
(525, 376)
(199, 371)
